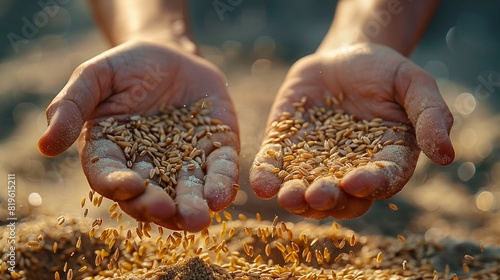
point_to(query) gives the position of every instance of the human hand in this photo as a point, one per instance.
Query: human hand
(372, 81)
(137, 79)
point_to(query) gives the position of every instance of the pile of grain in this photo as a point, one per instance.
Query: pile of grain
(322, 141)
(168, 139)
(243, 248)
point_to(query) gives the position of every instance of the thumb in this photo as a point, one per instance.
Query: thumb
(69, 110)
(427, 111)
(65, 123)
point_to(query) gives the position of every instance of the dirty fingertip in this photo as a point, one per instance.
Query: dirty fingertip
(264, 177)
(193, 212)
(292, 196)
(323, 193)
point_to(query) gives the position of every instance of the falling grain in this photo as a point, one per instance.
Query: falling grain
(401, 238)
(258, 216)
(393, 206)
(465, 268)
(33, 244)
(112, 207)
(469, 257)
(69, 275)
(352, 240)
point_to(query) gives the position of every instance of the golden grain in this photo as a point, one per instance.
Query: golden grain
(231, 232)
(308, 257)
(319, 257)
(303, 237)
(314, 242)
(248, 231)
(339, 257)
(79, 242)
(95, 159)
(113, 215)
(465, 268)
(404, 264)
(393, 206)
(69, 275)
(258, 216)
(33, 244)
(275, 221)
(268, 250)
(352, 240)
(401, 238)
(280, 246)
(112, 207)
(218, 218)
(326, 254)
(342, 244)
(469, 257)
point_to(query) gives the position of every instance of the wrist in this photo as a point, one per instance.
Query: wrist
(390, 23)
(340, 41)
(174, 35)
(161, 22)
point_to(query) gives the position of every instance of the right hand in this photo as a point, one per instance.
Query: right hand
(375, 82)
(137, 79)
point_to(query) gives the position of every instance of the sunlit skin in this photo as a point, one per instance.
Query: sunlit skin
(110, 85)
(375, 82)
(155, 61)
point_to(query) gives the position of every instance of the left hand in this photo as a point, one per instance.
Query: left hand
(138, 78)
(376, 82)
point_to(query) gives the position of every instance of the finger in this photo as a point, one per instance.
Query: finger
(427, 111)
(323, 193)
(104, 166)
(154, 205)
(222, 177)
(65, 124)
(349, 207)
(222, 171)
(385, 176)
(292, 197)
(69, 110)
(264, 181)
(193, 212)
(211, 80)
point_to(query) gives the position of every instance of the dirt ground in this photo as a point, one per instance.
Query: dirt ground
(457, 206)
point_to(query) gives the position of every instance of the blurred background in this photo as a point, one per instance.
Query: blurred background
(254, 43)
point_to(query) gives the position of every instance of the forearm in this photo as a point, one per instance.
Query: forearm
(398, 24)
(149, 20)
